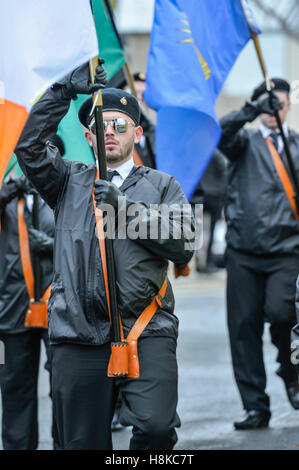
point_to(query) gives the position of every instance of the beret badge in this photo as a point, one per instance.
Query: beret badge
(123, 101)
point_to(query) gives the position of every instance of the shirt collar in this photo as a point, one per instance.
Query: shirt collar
(265, 131)
(124, 169)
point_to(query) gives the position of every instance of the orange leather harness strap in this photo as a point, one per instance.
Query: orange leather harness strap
(25, 250)
(36, 315)
(100, 231)
(147, 314)
(124, 362)
(124, 356)
(136, 157)
(284, 177)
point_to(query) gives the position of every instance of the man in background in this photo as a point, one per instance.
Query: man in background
(262, 255)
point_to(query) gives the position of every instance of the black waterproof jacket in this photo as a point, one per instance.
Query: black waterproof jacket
(14, 298)
(213, 182)
(77, 307)
(259, 216)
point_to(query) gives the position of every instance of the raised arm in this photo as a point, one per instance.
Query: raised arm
(38, 157)
(234, 139)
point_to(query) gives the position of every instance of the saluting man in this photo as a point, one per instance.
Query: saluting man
(263, 247)
(79, 326)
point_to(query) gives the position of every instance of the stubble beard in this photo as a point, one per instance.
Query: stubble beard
(120, 154)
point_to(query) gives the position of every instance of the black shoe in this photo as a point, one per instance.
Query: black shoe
(254, 419)
(116, 425)
(292, 390)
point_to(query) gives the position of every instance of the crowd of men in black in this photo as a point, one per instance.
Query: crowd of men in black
(261, 259)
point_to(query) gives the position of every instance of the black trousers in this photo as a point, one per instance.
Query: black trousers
(84, 397)
(18, 382)
(213, 206)
(260, 289)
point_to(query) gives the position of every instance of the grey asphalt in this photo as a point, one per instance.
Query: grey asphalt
(208, 398)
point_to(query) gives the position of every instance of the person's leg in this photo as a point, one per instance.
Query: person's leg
(280, 310)
(214, 209)
(18, 381)
(149, 402)
(245, 301)
(83, 396)
(48, 367)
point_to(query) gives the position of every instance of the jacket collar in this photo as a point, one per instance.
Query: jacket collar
(135, 174)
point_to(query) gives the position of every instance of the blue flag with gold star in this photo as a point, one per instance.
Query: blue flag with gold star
(193, 47)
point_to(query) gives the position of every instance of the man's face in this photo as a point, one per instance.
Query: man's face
(270, 121)
(119, 146)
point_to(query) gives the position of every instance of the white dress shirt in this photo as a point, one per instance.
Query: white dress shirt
(265, 131)
(29, 201)
(123, 170)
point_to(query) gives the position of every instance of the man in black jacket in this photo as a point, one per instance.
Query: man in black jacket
(79, 326)
(19, 374)
(263, 249)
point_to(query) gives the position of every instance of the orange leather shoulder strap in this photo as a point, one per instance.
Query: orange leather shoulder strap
(284, 177)
(47, 293)
(100, 231)
(25, 255)
(147, 314)
(136, 157)
(25, 250)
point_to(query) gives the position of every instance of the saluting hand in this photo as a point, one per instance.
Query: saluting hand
(269, 104)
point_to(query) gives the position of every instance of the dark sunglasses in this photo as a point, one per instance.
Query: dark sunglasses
(120, 125)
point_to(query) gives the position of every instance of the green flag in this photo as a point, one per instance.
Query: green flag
(13, 164)
(109, 47)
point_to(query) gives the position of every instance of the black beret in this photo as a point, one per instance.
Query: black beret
(113, 100)
(279, 85)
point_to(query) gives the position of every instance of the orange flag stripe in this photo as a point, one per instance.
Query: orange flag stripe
(12, 120)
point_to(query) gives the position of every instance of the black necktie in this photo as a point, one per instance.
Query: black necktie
(111, 174)
(274, 137)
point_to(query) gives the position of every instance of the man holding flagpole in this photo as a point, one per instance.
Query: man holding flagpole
(79, 327)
